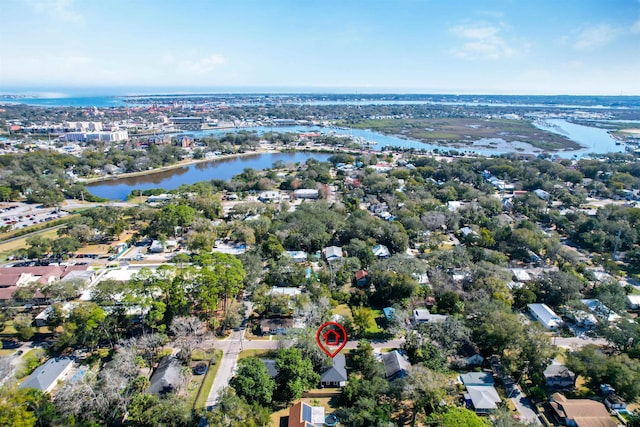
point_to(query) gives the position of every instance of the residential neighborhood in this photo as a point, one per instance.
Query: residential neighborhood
(497, 290)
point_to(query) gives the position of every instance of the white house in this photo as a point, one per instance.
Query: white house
(332, 253)
(381, 251)
(269, 196)
(306, 193)
(633, 302)
(46, 377)
(545, 316)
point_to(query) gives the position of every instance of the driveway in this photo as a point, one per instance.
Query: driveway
(524, 405)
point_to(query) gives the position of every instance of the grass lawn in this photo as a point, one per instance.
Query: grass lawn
(207, 382)
(7, 351)
(263, 354)
(342, 310)
(7, 248)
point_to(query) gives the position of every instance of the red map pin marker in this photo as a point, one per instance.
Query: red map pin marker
(331, 338)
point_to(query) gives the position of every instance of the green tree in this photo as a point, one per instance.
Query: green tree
(252, 382)
(22, 325)
(363, 319)
(362, 360)
(295, 374)
(233, 411)
(426, 388)
(458, 417)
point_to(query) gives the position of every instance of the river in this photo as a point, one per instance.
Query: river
(120, 188)
(594, 140)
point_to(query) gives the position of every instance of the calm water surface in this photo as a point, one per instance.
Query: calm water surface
(225, 169)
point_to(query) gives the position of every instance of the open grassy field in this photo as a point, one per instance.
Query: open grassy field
(466, 130)
(7, 248)
(263, 354)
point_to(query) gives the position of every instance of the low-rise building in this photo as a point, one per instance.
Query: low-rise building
(558, 375)
(167, 377)
(48, 375)
(580, 412)
(633, 302)
(269, 196)
(275, 326)
(422, 315)
(306, 193)
(332, 253)
(543, 314)
(304, 415)
(336, 375)
(395, 364)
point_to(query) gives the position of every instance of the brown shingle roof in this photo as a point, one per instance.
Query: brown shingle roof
(584, 412)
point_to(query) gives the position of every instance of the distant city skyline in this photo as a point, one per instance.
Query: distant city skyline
(575, 47)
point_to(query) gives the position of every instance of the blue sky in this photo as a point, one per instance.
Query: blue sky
(433, 46)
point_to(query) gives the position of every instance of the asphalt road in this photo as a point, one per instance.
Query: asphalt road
(233, 345)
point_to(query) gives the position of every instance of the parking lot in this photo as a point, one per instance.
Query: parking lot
(21, 215)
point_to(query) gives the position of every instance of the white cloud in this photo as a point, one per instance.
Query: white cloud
(595, 36)
(635, 28)
(482, 42)
(62, 10)
(207, 64)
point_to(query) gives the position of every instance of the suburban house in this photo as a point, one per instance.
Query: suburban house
(481, 394)
(615, 402)
(559, 376)
(362, 278)
(269, 196)
(543, 314)
(167, 377)
(474, 360)
(275, 326)
(158, 247)
(335, 376)
(580, 412)
(600, 310)
(395, 365)
(47, 376)
(332, 253)
(422, 315)
(633, 302)
(381, 251)
(304, 415)
(296, 256)
(306, 193)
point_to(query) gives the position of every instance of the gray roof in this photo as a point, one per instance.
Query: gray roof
(476, 378)
(558, 370)
(45, 376)
(167, 377)
(270, 364)
(332, 252)
(483, 397)
(394, 363)
(336, 373)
